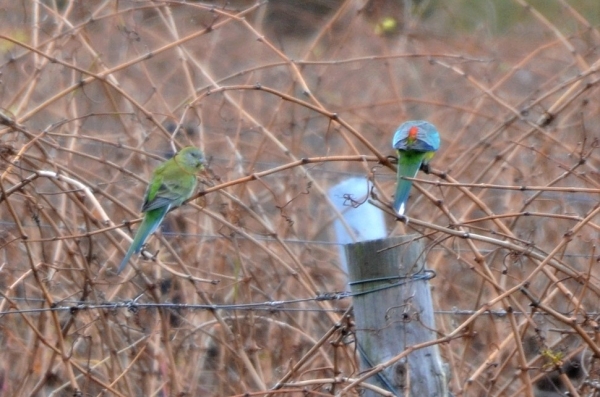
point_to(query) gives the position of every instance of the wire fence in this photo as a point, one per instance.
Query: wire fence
(243, 288)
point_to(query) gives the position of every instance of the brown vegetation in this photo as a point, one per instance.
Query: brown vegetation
(92, 92)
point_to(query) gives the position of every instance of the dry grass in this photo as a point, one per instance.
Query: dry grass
(92, 91)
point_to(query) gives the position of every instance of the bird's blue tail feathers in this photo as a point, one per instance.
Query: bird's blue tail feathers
(403, 186)
(152, 220)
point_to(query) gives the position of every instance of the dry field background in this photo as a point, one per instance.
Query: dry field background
(92, 92)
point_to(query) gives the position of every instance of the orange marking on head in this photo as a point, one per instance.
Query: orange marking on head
(412, 133)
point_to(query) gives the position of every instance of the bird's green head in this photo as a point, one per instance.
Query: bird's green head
(191, 158)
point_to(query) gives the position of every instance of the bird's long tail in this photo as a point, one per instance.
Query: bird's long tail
(152, 220)
(407, 166)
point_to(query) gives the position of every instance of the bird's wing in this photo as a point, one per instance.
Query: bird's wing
(427, 141)
(170, 192)
(417, 145)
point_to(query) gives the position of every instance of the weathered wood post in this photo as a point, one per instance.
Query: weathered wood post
(393, 311)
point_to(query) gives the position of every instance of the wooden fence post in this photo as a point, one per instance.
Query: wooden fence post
(389, 318)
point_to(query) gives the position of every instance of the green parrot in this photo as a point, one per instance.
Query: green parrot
(416, 142)
(173, 182)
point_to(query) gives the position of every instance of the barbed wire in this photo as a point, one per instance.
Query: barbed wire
(269, 306)
(134, 305)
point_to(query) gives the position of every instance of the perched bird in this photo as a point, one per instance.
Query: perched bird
(415, 143)
(173, 182)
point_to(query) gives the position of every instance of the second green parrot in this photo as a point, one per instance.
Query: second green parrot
(173, 182)
(415, 142)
